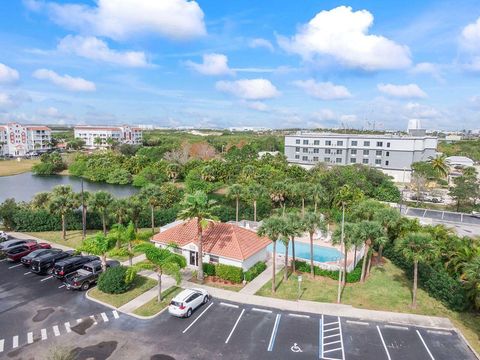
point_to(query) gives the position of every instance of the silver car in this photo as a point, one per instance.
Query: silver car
(187, 301)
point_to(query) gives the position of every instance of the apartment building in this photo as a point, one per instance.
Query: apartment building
(393, 154)
(19, 140)
(122, 134)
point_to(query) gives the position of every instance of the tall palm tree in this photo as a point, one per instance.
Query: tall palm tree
(101, 202)
(123, 235)
(350, 234)
(254, 192)
(278, 193)
(98, 244)
(235, 191)
(416, 247)
(389, 218)
(198, 206)
(317, 192)
(120, 210)
(98, 141)
(368, 232)
(301, 191)
(40, 200)
(173, 171)
(272, 228)
(294, 228)
(439, 164)
(153, 195)
(311, 223)
(135, 209)
(62, 201)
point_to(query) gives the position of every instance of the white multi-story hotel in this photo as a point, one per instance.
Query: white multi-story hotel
(122, 134)
(393, 154)
(19, 140)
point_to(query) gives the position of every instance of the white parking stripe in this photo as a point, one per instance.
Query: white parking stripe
(2, 342)
(47, 278)
(198, 317)
(299, 315)
(438, 332)
(115, 314)
(44, 334)
(274, 333)
(426, 347)
(67, 327)
(3, 260)
(333, 342)
(321, 338)
(383, 342)
(94, 320)
(28, 272)
(15, 342)
(79, 321)
(332, 329)
(104, 317)
(396, 327)
(56, 331)
(329, 336)
(14, 266)
(341, 337)
(229, 305)
(327, 351)
(234, 326)
(262, 310)
(30, 337)
(335, 322)
(61, 286)
(357, 322)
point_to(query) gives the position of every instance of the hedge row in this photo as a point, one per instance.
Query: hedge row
(113, 280)
(255, 270)
(233, 273)
(352, 276)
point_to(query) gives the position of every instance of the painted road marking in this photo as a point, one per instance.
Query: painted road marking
(115, 314)
(104, 317)
(229, 305)
(383, 342)
(274, 333)
(320, 338)
(438, 332)
(426, 347)
(234, 326)
(15, 342)
(94, 320)
(396, 327)
(300, 316)
(333, 338)
(332, 329)
(44, 334)
(79, 321)
(2, 342)
(327, 351)
(67, 327)
(341, 338)
(262, 310)
(335, 322)
(3, 260)
(14, 266)
(28, 272)
(198, 317)
(30, 338)
(56, 331)
(61, 286)
(357, 322)
(47, 278)
(329, 336)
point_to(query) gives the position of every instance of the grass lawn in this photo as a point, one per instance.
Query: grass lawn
(154, 307)
(139, 286)
(14, 167)
(387, 289)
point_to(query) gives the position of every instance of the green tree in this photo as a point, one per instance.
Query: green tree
(8, 209)
(350, 234)
(62, 201)
(122, 236)
(101, 201)
(301, 191)
(368, 232)
(271, 228)
(278, 194)
(389, 218)
(317, 192)
(235, 191)
(98, 244)
(152, 194)
(40, 201)
(439, 164)
(471, 279)
(120, 210)
(135, 209)
(198, 206)
(173, 171)
(98, 141)
(312, 222)
(253, 193)
(293, 228)
(416, 247)
(466, 189)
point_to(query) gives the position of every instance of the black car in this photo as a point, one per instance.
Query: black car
(87, 275)
(71, 264)
(44, 264)
(27, 259)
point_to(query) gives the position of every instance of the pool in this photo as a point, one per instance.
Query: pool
(302, 250)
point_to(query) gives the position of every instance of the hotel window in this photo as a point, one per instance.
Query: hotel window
(354, 143)
(388, 144)
(366, 143)
(378, 152)
(339, 143)
(366, 152)
(338, 160)
(305, 150)
(378, 161)
(328, 151)
(297, 156)
(365, 161)
(305, 158)
(316, 142)
(386, 163)
(297, 149)
(328, 143)
(387, 153)
(339, 151)
(379, 143)
(305, 142)
(214, 259)
(315, 158)
(353, 161)
(353, 152)
(316, 151)
(327, 159)
(297, 141)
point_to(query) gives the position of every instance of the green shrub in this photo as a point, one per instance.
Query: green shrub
(255, 270)
(352, 276)
(113, 280)
(229, 273)
(209, 269)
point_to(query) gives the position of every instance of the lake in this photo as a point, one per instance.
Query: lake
(24, 186)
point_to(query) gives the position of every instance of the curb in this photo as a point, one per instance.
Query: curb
(466, 342)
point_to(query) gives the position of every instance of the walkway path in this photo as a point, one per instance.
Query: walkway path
(256, 284)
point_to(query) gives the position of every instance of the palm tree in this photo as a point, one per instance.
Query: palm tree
(122, 235)
(389, 218)
(294, 228)
(254, 192)
(439, 164)
(416, 247)
(163, 261)
(120, 210)
(173, 171)
(272, 228)
(317, 192)
(350, 234)
(235, 191)
(311, 223)
(40, 200)
(471, 279)
(198, 206)
(62, 201)
(135, 209)
(101, 202)
(98, 244)
(368, 232)
(301, 191)
(153, 195)
(278, 194)
(83, 199)
(98, 141)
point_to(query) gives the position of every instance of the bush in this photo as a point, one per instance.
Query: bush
(352, 276)
(113, 280)
(255, 270)
(229, 273)
(209, 269)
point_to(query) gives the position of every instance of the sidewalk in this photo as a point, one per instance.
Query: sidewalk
(256, 284)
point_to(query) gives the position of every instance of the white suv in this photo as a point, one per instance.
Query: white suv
(187, 301)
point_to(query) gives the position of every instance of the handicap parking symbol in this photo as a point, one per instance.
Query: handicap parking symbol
(295, 348)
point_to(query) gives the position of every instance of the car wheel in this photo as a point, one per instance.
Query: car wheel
(189, 313)
(85, 286)
(49, 271)
(205, 299)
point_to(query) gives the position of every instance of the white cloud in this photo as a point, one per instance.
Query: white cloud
(261, 43)
(409, 91)
(66, 81)
(323, 90)
(11, 101)
(213, 64)
(250, 89)
(256, 105)
(123, 19)
(93, 48)
(431, 69)
(470, 37)
(7, 74)
(343, 34)
(324, 115)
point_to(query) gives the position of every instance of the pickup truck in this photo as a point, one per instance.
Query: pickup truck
(87, 275)
(16, 253)
(71, 264)
(44, 264)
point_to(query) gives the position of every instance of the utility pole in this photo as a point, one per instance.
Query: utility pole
(84, 216)
(339, 262)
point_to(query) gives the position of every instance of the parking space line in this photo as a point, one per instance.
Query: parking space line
(30, 338)
(198, 317)
(341, 338)
(426, 347)
(274, 332)
(14, 266)
(47, 278)
(438, 332)
(262, 310)
(61, 286)
(56, 331)
(383, 342)
(357, 322)
(332, 329)
(115, 314)
(300, 316)
(3, 260)
(320, 340)
(67, 327)
(335, 322)
(28, 272)
(104, 317)
(2, 342)
(327, 351)
(396, 327)
(15, 342)
(329, 336)
(94, 320)
(333, 342)
(234, 326)
(44, 334)
(229, 305)
(79, 321)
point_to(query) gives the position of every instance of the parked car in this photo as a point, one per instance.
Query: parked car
(476, 214)
(87, 275)
(10, 244)
(17, 252)
(4, 236)
(27, 259)
(71, 264)
(44, 264)
(187, 301)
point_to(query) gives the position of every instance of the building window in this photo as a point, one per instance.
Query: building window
(327, 159)
(338, 160)
(305, 150)
(328, 151)
(297, 156)
(316, 142)
(388, 144)
(297, 149)
(305, 142)
(214, 259)
(366, 143)
(353, 161)
(378, 152)
(354, 143)
(339, 143)
(388, 153)
(339, 151)
(316, 151)
(315, 158)
(366, 152)
(365, 161)
(378, 161)
(297, 141)
(177, 250)
(353, 152)
(386, 163)
(328, 142)
(305, 158)
(379, 143)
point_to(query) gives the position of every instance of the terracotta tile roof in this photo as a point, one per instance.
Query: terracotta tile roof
(38, 128)
(221, 239)
(86, 127)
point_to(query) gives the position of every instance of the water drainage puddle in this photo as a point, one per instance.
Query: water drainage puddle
(42, 314)
(100, 351)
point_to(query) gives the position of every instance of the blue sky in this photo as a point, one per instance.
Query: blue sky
(270, 63)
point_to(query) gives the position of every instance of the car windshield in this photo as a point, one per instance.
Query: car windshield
(176, 303)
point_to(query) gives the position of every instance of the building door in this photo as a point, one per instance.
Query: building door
(194, 258)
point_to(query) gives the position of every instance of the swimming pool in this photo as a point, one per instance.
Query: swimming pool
(302, 250)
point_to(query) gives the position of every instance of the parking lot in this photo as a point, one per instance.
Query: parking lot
(444, 216)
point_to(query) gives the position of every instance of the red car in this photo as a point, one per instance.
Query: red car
(18, 252)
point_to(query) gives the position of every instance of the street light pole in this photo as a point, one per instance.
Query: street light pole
(339, 262)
